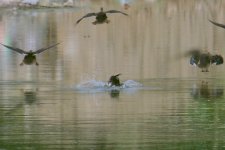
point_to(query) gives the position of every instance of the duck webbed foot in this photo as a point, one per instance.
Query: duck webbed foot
(107, 21)
(94, 23)
(205, 70)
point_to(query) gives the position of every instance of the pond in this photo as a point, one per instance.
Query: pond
(65, 103)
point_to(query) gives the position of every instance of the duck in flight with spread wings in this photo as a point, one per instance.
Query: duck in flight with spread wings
(101, 16)
(30, 56)
(204, 59)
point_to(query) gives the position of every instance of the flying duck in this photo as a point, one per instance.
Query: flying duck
(204, 59)
(101, 16)
(114, 80)
(30, 56)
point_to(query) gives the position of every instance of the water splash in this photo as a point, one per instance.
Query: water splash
(101, 86)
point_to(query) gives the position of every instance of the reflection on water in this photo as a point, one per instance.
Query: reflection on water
(64, 104)
(207, 90)
(115, 93)
(30, 96)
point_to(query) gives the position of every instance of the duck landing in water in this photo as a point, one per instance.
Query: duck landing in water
(30, 57)
(204, 59)
(101, 16)
(114, 80)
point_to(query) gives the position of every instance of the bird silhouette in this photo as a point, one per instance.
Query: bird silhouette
(30, 56)
(101, 16)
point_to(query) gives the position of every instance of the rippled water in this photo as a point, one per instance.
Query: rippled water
(65, 103)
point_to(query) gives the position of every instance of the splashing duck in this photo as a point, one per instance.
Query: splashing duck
(114, 80)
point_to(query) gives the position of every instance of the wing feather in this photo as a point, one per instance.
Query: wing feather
(43, 49)
(15, 49)
(87, 15)
(116, 11)
(217, 24)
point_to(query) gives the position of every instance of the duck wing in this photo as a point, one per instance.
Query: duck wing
(15, 49)
(217, 59)
(195, 56)
(43, 49)
(217, 24)
(116, 11)
(87, 15)
(194, 60)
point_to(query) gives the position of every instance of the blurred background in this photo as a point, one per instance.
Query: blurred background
(63, 103)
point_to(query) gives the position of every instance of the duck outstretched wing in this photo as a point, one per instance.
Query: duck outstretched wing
(116, 11)
(194, 55)
(43, 49)
(194, 60)
(217, 59)
(87, 15)
(14, 49)
(217, 24)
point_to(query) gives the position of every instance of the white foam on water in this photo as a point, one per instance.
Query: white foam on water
(101, 86)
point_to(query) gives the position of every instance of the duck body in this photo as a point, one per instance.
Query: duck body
(101, 17)
(204, 61)
(29, 59)
(114, 80)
